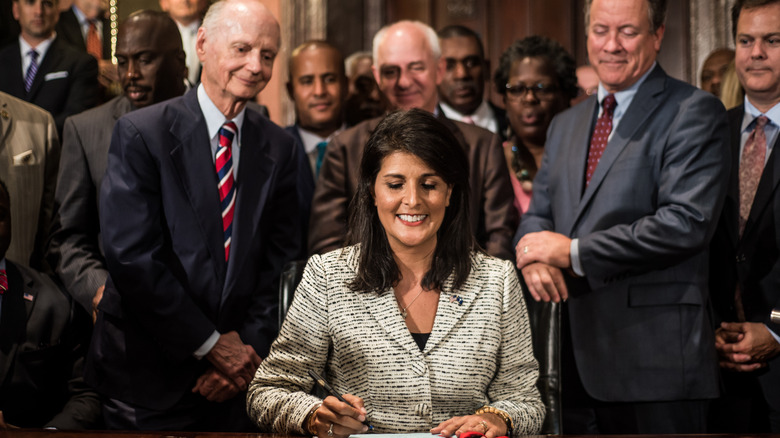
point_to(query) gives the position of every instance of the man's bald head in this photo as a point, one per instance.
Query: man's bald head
(150, 58)
(237, 45)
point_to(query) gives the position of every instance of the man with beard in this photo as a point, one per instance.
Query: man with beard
(462, 88)
(150, 61)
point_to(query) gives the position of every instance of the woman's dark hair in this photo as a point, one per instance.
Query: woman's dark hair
(415, 132)
(536, 46)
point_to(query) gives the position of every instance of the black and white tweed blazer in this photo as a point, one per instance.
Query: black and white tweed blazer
(479, 352)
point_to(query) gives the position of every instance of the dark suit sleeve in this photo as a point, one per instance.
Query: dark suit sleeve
(138, 249)
(74, 250)
(691, 187)
(52, 151)
(83, 408)
(83, 91)
(329, 209)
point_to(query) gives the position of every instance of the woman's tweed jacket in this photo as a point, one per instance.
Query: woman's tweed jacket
(479, 352)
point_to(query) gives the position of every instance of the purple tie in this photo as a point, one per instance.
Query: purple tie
(598, 141)
(227, 193)
(29, 77)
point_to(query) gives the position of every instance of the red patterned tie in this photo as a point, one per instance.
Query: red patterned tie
(750, 168)
(94, 47)
(3, 281)
(227, 193)
(598, 141)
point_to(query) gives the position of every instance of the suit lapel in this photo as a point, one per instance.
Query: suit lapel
(15, 313)
(642, 107)
(191, 157)
(453, 304)
(731, 205)
(766, 187)
(49, 63)
(14, 68)
(577, 152)
(6, 119)
(252, 187)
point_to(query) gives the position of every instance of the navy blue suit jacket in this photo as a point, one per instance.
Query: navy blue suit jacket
(170, 286)
(305, 184)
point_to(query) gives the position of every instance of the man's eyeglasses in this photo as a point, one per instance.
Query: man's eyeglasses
(540, 91)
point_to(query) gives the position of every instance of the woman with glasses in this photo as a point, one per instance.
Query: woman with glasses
(537, 78)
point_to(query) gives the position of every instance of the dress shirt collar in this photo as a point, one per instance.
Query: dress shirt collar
(42, 48)
(751, 112)
(482, 117)
(188, 29)
(214, 117)
(84, 22)
(2, 263)
(311, 139)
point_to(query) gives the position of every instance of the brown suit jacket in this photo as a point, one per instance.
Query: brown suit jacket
(493, 217)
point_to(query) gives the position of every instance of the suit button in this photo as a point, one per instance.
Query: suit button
(420, 368)
(422, 410)
(740, 258)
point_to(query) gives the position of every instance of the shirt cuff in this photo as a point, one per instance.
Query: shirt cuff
(774, 335)
(576, 265)
(207, 346)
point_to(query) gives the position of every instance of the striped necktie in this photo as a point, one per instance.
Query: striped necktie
(227, 192)
(94, 47)
(3, 281)
(29, 77)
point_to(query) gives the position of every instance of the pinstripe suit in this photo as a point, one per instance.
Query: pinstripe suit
(75, 251)
(478, 353)
(29, 155)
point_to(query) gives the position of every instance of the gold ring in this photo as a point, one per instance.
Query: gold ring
(330, 430)
(484, 424)
(525, 249)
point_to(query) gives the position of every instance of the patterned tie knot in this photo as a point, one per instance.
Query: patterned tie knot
(761, 121)
(609, 103)
(33, 54)
(3, 281)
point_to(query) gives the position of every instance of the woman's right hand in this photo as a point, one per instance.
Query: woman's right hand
(338, 419)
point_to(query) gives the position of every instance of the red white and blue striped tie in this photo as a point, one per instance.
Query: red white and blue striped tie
(3, 282)
(227, 192)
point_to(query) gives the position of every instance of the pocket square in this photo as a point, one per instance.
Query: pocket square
(55, 75)
(26, 157)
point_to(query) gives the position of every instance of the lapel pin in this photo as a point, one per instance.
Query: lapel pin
(456, 299)
(27, 296)
(4, 114)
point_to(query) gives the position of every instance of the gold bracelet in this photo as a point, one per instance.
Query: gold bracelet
(309, 420)
(503, 415)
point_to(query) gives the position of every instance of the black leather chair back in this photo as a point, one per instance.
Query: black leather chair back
(291, 276)
(545, 319)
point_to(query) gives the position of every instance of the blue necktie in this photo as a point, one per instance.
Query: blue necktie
(321, 146)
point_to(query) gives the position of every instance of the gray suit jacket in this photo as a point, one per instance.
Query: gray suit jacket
(29, 155)
(639, 320)
(75, 249)
(479, 352)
